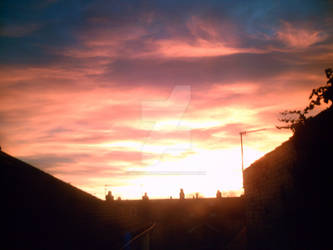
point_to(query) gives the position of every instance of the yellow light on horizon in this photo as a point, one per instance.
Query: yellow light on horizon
(204, 172)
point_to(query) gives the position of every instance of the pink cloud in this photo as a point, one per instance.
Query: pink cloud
(297, 36)
(199, 48)
(206, 38)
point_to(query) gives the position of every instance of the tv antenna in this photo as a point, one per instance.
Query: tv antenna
(241, 140)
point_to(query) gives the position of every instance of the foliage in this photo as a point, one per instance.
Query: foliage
(297, 118)
(293, 118)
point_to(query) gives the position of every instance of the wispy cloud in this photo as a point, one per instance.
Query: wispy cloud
(299, 37)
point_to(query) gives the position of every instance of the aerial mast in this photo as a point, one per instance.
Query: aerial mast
(242, 152)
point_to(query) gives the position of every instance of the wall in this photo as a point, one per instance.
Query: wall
(267, 184)
(284, 190)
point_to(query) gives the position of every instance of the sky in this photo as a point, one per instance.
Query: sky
(150, 96)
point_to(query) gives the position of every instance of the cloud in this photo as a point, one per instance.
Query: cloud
(299, 37)
(72, 87)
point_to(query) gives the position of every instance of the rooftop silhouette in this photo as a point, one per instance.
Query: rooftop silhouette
(43, 212)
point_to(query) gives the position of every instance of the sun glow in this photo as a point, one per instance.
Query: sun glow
(204, 172)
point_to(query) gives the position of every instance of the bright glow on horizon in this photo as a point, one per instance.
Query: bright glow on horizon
(204, 172)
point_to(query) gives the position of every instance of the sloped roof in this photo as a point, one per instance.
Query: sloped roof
(43, 212)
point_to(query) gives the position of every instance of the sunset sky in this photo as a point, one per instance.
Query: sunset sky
(150, 96)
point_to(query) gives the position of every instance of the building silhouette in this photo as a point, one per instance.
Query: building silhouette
(109, 197)
(218, 194)
(145, 197)
(181, 194)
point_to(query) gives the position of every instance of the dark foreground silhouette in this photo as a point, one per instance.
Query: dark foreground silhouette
(287, 190)
(203, 223)
(42, 212)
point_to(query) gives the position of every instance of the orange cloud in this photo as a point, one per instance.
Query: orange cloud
(199, 48)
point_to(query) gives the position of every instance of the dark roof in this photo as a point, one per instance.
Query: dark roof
(43, 212)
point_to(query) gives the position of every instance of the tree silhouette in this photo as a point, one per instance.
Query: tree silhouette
(297, 118)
